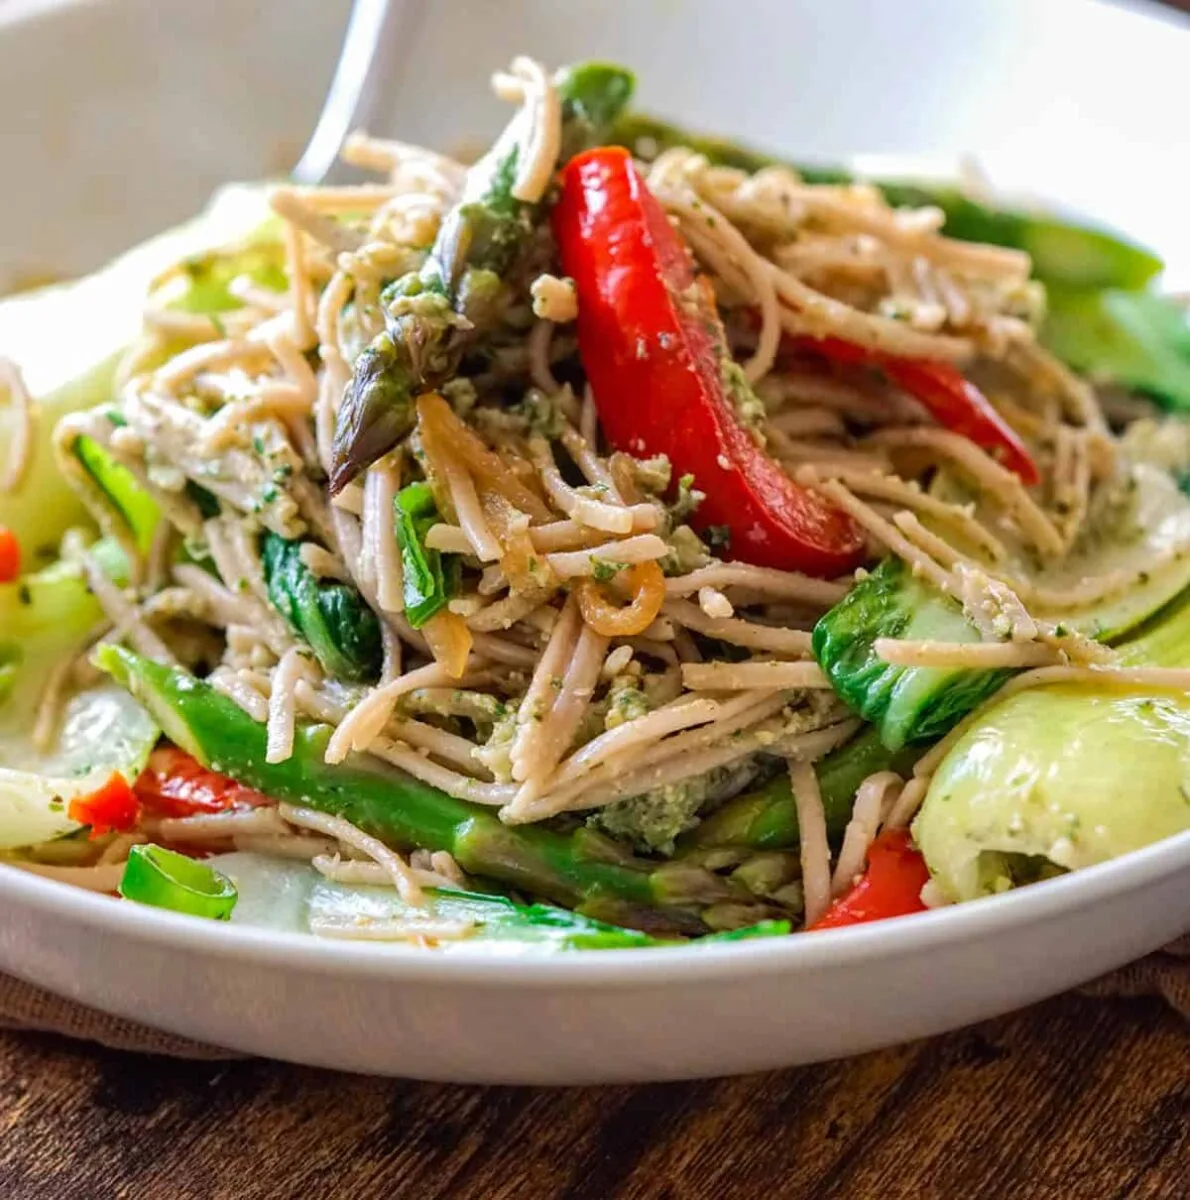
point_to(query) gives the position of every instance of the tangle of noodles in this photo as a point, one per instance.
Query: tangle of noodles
(592, 652)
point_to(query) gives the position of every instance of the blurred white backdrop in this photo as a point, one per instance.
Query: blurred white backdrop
(120, 115)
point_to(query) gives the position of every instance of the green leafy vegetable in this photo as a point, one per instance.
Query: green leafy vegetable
(906, 704)
(916, 704)
(1063, 776)
(206, 502)
(330, 616)
(1134, 340)
(428, 586)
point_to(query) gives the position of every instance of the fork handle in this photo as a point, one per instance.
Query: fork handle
(378, 31)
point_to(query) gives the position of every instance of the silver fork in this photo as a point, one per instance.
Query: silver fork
(378, 31)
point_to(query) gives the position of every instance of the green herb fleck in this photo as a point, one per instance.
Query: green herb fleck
(687, 500)
(604, 570)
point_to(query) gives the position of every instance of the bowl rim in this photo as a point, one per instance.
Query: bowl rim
(987, 916)
(512, 969)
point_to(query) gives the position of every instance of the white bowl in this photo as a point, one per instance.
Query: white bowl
(130, 111)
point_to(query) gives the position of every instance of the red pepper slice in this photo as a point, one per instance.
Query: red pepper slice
(950, 399)
(890, 887)
(10, 556)
(111, 808)
(173, 784)
(654, 351)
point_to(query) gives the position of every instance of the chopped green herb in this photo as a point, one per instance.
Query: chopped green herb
(604, 571)
(686, 501)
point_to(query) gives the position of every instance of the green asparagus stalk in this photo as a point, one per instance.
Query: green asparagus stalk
(1063, 252)
(487, 230)
(458, 295)
(766, 817)
(581, 870)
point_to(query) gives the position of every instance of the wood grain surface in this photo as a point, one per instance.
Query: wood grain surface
(1075, 1098)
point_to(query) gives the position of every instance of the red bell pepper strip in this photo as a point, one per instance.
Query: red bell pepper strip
(10, 556)
(654, 351)
(951, 400)
(111, 808)
(173, 784)
(890, 887)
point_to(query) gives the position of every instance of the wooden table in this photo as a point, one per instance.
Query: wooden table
(1075, 1098)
